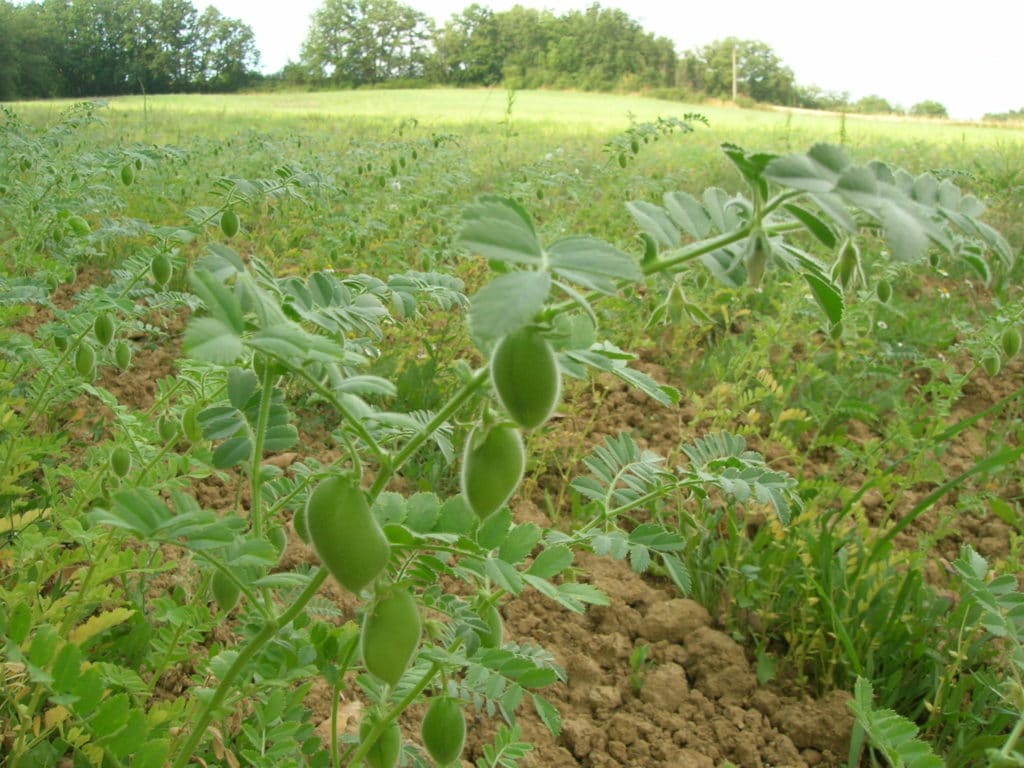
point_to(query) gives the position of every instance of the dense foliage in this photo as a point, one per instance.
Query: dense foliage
(112, 47)
(361, 42)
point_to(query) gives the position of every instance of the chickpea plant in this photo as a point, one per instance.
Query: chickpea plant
(260, 343)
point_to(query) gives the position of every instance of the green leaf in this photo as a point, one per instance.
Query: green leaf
(801, 172)
(593, 263)
(903, 233)
(110, 716)
(67, 668)
(242, 385)
(455, 516)
(423, 510)
(551, 562)
(687, 212)
(926, 189)
(859, 186)
(44, 646)
(822, 231)
(547, 713)
(506, 304)
(137, 510)
(232, 452)
(833, 206)
(504, 575)
(221, 302)
(829, 156)
(655, 222)
(212, 340)
(500, 229)
(153, 754)
(584, 593)
(129, 738)
(520, 542)
(678, 572)
(719, 205)
(828, 296)
(608, 357)
(750, 165)
(494, 529)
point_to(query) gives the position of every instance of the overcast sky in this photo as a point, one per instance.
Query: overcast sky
(967, 55)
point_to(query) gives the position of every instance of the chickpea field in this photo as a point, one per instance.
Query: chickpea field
(494, 428)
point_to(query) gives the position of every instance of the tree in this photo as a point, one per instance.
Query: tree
(874, 105)
(362, 42)
(929, 108)
(761, 73)
(467, 49)
(227, 52)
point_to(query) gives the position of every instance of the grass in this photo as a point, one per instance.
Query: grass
(553, 112)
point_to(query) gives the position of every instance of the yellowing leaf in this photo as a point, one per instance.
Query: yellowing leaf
(16, 522)
(793, 414)
(99, 623)
(55, 716)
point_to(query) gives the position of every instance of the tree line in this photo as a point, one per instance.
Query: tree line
(82, 48)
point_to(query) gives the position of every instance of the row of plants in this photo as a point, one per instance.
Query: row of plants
(119, 581)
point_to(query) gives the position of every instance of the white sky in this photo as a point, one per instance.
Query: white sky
(968, 56)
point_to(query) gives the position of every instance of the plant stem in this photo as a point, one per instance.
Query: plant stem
(254, 645)
(458, 399)
(259, 440)
(398, 709)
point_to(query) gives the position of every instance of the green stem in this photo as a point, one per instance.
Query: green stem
(256, 472)
(457, 401)
(398, 709)
(1013, 738)
(254, 645)
(355, 423)
(71, 616)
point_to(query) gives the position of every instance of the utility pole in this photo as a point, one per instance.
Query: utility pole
(734, 74)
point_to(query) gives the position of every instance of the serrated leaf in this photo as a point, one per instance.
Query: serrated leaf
(212, 340)
(607, 357)
(220, 301)
(547, 713)
(654, 221)
(99, 623)
(551, 562)
(500, 229)
(422, 511)
(242, 385)
(507, 303)
(639, 558)
(232, 452)
(678, 572)
(504, 575)
(520, 542)
(584, 593)
(66, 668)
(592, 263)
(110, 716)
(138, 510)
(494, 529)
